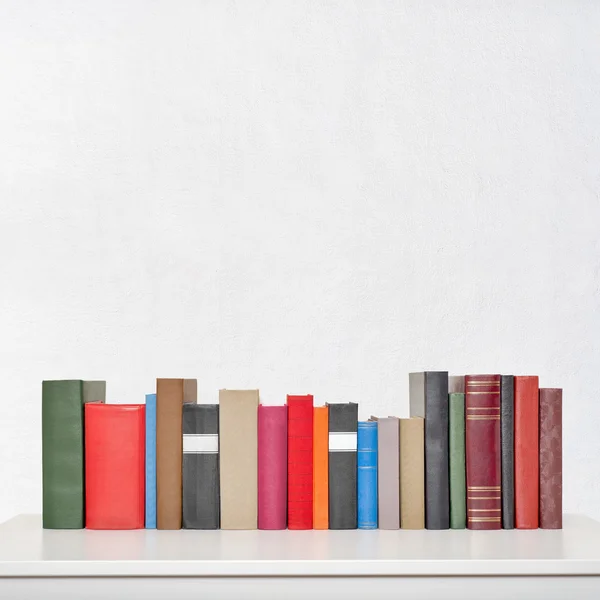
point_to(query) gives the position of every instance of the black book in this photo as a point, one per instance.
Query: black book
(200, 466)
(429, 400)
(507, 437)
(343, 428)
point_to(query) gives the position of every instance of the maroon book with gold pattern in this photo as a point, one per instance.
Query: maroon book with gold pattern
(551, 458)
(483, 451)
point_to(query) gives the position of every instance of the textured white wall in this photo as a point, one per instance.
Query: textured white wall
(299, 196)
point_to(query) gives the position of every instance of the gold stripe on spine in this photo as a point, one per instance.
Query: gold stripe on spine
(481, 383)
(484, 510)
(484, 520)
(479, 392)
(483, 497)
(483, 417)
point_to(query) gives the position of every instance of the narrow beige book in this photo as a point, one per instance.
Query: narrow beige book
(238, 462)
(412, 473)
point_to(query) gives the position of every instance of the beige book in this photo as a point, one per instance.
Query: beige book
(238, 462)
(412, 473)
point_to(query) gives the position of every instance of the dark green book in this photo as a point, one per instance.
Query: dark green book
(63, 477)
(458, 501)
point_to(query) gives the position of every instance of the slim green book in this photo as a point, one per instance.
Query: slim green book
(63, 477)
(458, 501)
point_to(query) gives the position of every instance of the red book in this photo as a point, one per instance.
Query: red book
(114, 466)
(527, 467)
(483, 451)
(551, 458)
(272, 467)
(300, 462)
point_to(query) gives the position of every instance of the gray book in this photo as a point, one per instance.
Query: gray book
(343, 432)
(388, 472)
(429, 400)
(200, 466)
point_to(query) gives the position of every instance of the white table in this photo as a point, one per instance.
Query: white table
(286, 565)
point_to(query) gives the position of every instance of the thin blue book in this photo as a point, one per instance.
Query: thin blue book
(150, 461)
(367, 475)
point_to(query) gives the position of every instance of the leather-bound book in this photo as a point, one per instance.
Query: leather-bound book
(169, 450)
(551, 458)
(458, 499)
(321, 467)
(507, 437)
(483, 452)
(429, 400)
(115, 465)
(150, 461)
(300, 462)
(200, 466)
(63, 468)
(343, 428)
(388, 475)
(412, 473)
(238, 432)
(367, 475)
(527, 472)
(272, 467)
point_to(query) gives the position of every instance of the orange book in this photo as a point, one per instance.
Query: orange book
(321, 468)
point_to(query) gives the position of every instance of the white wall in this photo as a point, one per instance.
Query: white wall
(299, 196)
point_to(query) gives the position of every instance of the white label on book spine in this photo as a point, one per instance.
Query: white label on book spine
(342, 441)
(200, 443)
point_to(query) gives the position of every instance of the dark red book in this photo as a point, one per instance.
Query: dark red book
(300, 462)
(483, 451)
(114, 466)
(272, 467)
(551, 458)
(527, 467)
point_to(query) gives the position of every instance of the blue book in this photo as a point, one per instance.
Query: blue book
(367, 475)
(150, 461)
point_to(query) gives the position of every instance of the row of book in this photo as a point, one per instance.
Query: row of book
(477, 452)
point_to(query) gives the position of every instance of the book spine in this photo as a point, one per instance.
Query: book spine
(367, 475)
(200, 477)
(388, 458)
(343, 428)
(272, 467)
(62, 455)
(169, 453)
(115, 465)
(412, 473)
(238, 432)
(527, 475)
(94, 391)
(483, 452)
(150, 461)
(429, 400)
(321, 467)
(458, 507)
(456, 384)
(300, 462)
(551, 458)
(507, 437)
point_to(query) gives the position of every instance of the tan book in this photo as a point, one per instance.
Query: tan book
(169, 449)
(238, 452)
(412, 473)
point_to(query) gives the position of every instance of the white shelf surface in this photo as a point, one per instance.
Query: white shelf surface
(27, 550)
